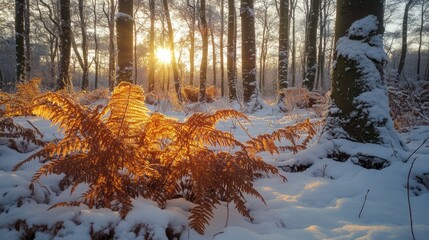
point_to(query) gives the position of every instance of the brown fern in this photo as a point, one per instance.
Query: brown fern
(17, 104)
(122, 152)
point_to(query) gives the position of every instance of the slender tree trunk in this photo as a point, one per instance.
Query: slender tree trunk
(311, 40)
(177, 83)
(205, 38)
(192, 44)
(404, 37)
(96, 46)
(27, 41)
(222, 67)
(124, 36)
(65, 45)
(110, 14)
(213, 54)
(151, 86)
(248, 55)
(231, 52)
(83, 29)
(19, 40)
(283, 49)
(420, 39)
(293, 10)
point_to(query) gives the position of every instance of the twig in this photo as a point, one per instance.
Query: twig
(227, 214)
(408, 198)
(35, 128)
(421, 145)
(364, 201)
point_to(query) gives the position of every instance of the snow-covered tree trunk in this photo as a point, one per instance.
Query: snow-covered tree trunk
(231, 52)
(360, 110)
(283, 50)
(310, 45)
(124, 31)
(248, 55)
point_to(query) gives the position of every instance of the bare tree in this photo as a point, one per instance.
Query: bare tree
(124, 34)
(177, 84)
(109, 12)
(424, 9)
(404, 47)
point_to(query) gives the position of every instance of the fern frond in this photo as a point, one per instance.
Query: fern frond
(128, 112)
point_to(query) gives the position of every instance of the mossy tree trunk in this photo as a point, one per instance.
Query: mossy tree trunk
(359, 110)
(65, 45)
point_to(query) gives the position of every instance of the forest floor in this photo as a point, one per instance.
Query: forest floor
(323, 202)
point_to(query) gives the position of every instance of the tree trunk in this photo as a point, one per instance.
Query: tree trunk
(231, 52)
(310, 49)
(205, 38)
(213, 54)
(85, 65)
(110, 15)
(176, 76)
(65, 45)
(124, 39)
(27, 41)
(293, 10)
(152, 66)
(283, 49)
(96, 46)
(19, 40)
(192, 44)
(248, 55)
(360, 110)
(222, 69)
(419, 52)
(404, 37)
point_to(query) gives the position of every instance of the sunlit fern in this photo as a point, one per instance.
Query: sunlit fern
(121, 152)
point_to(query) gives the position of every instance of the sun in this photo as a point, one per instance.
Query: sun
(163, 55)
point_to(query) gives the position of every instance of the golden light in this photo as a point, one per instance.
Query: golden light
(163, 55)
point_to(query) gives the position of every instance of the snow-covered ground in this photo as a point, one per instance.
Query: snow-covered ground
(323, 202)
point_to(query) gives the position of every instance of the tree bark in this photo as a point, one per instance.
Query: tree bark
(192, 44)
(404, 47)
(19, 40)
(292, 11)
(177, 83)
(283, 49)
(231, 52)
(151, 86)
(222, 67)
(85, 64)
(124, 36)
(310, 49)
(419, 51)
(359, 98)
(248, 54)
(65, 45)
(27, 41)
(205, 38)
(96, 46)
(110, 15)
